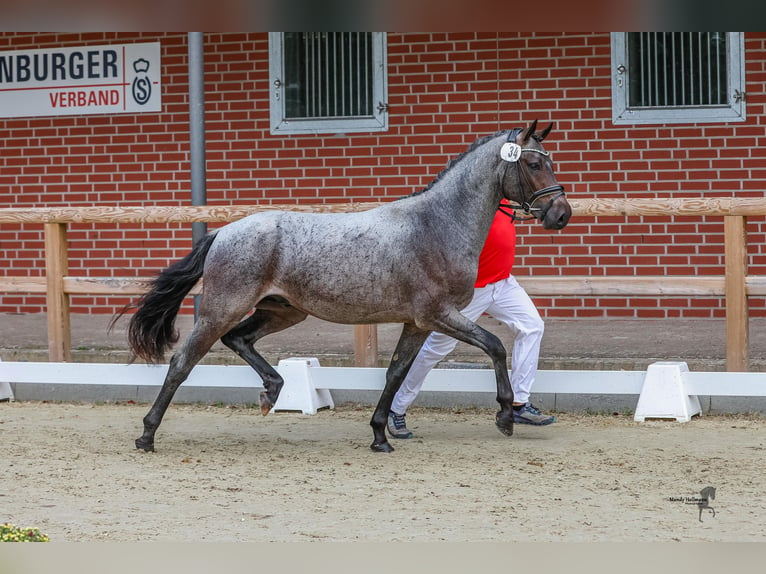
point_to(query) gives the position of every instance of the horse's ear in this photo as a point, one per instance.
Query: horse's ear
(546, 131)
(528, 132)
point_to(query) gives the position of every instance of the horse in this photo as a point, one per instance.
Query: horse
(703, 502)
(411, 261)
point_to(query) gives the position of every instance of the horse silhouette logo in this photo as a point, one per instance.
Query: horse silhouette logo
(142, 85)
(703, 503)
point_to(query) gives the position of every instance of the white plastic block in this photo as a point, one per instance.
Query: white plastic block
(299, 392)
(664, 394)
(6, 392)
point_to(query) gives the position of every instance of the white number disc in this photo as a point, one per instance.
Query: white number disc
(510, 151)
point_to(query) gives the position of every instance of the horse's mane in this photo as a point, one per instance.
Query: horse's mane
(453, 162)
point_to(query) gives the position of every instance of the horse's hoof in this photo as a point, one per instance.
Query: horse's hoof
(145, 445)
(504, 425)
(265, 403)
(381, 447)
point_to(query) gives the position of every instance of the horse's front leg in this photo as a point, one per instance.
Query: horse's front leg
(410, 342)
(458, 326)
(504, 417)
(494, 348)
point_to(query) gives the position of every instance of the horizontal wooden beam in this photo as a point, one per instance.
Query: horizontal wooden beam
(619, 286)
(105, 286)
(164, 214)
(755, 285)
(564, 286)
(23, 285)
(668, 207)
(702, 206)
(567, 286)
(112, 286)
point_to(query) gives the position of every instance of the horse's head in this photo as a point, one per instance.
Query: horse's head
(533, 185)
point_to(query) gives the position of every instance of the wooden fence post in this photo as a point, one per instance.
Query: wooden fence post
(365, 345)
(737, 316)
(56, 267)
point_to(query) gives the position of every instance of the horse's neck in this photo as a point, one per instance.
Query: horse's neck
(464, 202)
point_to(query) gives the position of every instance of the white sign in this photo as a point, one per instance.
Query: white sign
(111, 79)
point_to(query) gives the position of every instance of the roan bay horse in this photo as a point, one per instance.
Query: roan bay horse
(411, 261)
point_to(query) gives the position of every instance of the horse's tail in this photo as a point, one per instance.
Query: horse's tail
(151, 331)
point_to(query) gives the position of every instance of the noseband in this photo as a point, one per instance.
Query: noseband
(528, 207)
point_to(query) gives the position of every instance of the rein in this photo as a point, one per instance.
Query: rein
(527, 207)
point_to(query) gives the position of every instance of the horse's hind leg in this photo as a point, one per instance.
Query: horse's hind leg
(269, 317)
(194, 348)
(410, 342)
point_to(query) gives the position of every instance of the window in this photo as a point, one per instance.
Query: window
(677, 77)
(327, 82)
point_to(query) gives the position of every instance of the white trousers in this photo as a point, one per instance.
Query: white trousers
(507, 302)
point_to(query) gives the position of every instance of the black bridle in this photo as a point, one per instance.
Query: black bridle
(528, 207)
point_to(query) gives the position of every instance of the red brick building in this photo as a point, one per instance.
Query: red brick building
(443, 90)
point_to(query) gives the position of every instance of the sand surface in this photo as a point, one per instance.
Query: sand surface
(229, 474)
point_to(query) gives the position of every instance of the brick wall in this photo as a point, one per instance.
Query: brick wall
(445, 90)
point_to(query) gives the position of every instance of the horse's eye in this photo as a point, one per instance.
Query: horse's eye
(534, 165)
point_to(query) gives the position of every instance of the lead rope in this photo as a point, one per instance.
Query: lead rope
(510, 211)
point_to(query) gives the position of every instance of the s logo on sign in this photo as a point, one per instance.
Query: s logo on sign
(142, 85)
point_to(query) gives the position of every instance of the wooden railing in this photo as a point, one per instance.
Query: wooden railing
(735, 285)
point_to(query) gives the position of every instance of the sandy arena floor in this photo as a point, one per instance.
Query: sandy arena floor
(229, 474)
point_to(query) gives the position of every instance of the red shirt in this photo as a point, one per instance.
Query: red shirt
(496, 257)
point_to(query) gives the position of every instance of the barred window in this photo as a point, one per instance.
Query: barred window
(327, 82)
(674, 77)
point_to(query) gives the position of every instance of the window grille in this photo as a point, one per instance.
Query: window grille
(328, 82)
(678, 77)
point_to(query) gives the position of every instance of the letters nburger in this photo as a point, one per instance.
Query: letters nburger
(55, 66)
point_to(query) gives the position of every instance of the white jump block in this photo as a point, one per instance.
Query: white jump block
(6, 392)
(664, 394)
(299, 392)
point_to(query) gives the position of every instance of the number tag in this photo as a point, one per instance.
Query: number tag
(510, 152)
